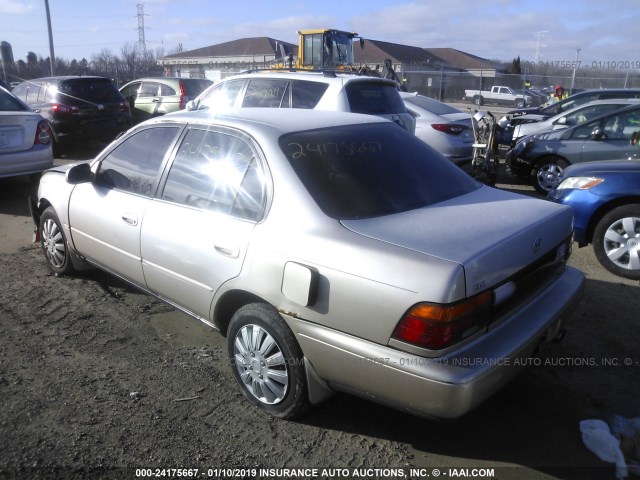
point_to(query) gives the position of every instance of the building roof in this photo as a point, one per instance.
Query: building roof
(462, 60)
(240, 47)
(376, 51)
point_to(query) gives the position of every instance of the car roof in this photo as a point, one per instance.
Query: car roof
(291, 120)
(64, 77)
(326, 76)
(608, 101)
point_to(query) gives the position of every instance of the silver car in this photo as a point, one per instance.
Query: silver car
(532, 124)
(443, 127)
(337, 252)
(25, 138)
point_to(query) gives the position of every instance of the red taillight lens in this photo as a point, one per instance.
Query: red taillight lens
(62, 109)
(436, 326)
(450, 128)
(43, 133)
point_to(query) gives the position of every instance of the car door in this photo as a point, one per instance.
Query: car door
(148, 100)
(105, 215)
(614, 142)
(196, 232)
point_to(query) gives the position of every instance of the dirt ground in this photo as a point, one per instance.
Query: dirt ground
(98, 379)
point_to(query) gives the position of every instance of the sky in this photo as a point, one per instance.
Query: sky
(543, 30)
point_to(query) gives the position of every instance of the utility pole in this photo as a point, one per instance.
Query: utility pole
(52, 55)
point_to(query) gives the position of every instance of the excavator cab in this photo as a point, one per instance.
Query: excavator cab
(326, 48)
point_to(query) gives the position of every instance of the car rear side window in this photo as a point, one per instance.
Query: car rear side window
(134, 164)
(361, 171)
(306, 94)
(219, 172)
(374, 98)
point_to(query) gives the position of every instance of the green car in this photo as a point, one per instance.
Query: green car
(150, 97)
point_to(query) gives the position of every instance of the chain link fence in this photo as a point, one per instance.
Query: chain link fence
(449, 86)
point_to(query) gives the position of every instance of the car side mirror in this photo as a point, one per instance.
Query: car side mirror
(191, 105)
(598, 134)
(562, 121)
(80, 173)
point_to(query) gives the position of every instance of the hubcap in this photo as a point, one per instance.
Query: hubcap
(622, 243)
(261, 364)
(53, 243)
(548, 176)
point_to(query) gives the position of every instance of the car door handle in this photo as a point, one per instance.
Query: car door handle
(130, 219)
(227, 251)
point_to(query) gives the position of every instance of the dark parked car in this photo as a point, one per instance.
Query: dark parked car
(576, 100)
(605, 197)
(78, 108)
(150, 97)
(544, 156)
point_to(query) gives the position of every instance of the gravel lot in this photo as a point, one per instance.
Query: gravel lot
(98, 379)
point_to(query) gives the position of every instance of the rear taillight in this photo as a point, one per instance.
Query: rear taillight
(62, 109)
(450, 128)
(43, 133)
(183, 98)
(436, 326)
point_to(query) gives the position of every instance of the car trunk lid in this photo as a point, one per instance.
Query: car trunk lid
(17, 131)
(493, 234)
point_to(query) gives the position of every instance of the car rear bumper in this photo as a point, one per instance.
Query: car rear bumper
(35, 160)
(447, 386)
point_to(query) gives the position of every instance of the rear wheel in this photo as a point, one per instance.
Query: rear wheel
(54, 243)
(267, 361)
(548, 172)
(616, 241)
(478, 100)
(520, 103)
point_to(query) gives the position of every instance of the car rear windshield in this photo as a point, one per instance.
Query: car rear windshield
(431, 105)
(9, 103)
(374, 98)
(89, 89)
(195, 86)
(370, 170)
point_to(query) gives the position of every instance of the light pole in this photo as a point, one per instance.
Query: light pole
(575, 66)
(52, 55)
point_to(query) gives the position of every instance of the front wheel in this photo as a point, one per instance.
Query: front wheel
(54, 243)
(267, 361)
(616, 241)
(547, 173)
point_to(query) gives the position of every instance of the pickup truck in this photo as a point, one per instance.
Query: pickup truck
(500, 95)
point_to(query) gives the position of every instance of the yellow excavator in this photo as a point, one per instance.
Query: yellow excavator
(331, 49)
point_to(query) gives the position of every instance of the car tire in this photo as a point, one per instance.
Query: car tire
(519, 103)
(547, 172)
(478, 101)
(54, 243)
(616, 241)
(267, 361)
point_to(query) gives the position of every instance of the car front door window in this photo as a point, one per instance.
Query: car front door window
(134, 164)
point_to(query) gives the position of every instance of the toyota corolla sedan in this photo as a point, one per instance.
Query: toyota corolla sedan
(605, 197)
(336, 252)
